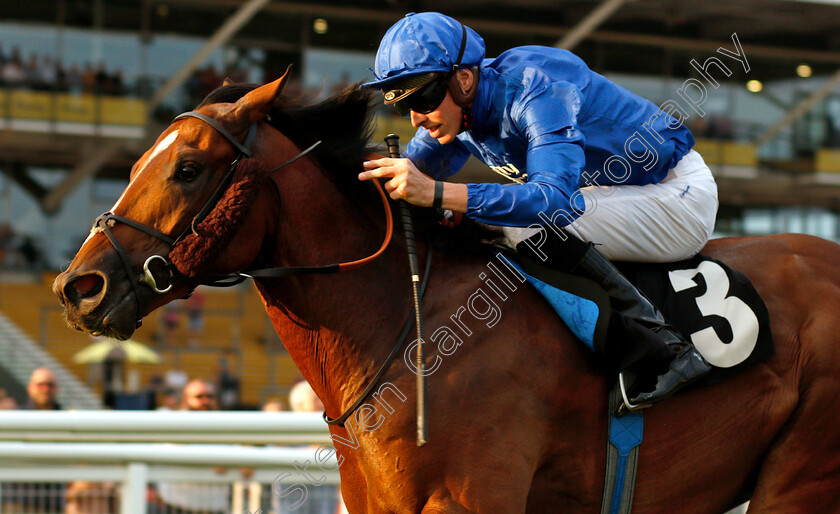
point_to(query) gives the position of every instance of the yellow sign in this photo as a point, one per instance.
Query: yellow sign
(75, 108)
(69, 108)
(123, 111)
(30, 105)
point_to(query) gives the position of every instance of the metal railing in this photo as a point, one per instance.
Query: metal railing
(136, 448)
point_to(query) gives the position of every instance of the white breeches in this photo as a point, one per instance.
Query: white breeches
(663, 222)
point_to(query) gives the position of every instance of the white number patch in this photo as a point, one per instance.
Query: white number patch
(741, 318)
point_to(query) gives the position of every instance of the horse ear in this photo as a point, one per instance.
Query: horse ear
(259, 102)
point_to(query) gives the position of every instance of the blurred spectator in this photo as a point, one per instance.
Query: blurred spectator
(170, 320)
(32, 72)
(201, 83)
(42, 391)
(320, 499)
(7, 402)
(113, 378)
(175, 379)
(170, 400)
(198, 395)
(73, 80)
(92, 498)
(48, 73)
(228, 385)
(274, 405)
(114, 85)
(303, 399)
(20, 498)
(13, 73)
(100, 79)
(88, 79)
(195, 317)
(155, 383)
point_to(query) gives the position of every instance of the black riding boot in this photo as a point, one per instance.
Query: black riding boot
(655, 338)
(658, 349)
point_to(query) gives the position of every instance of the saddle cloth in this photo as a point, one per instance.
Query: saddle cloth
(712, 305)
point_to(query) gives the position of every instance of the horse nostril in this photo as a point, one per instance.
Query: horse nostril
(84, 287)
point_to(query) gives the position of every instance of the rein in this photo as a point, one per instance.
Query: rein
(400, 341)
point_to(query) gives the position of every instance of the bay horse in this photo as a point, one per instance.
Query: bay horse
(517, 407)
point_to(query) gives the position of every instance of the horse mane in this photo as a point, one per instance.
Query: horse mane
(343, 123)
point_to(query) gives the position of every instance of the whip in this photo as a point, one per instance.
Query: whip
(393, 142)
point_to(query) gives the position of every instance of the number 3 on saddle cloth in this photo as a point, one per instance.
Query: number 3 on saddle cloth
(712, 305)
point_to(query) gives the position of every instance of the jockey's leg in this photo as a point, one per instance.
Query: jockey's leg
(654, 343)
(662, 222)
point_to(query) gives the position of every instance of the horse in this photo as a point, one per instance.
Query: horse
(516, 412)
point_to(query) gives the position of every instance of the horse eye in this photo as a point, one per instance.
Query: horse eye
(187, 172)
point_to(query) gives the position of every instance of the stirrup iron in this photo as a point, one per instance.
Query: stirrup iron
(628, 405)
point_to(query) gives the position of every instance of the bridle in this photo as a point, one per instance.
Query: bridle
(105, 221)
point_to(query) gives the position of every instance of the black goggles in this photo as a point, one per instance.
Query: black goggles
(424, 100)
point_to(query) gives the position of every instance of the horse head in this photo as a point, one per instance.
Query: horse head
(178, 218)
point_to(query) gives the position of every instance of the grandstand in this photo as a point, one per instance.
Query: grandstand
(109, 74)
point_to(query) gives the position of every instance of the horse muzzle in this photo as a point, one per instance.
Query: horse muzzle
(93, 305)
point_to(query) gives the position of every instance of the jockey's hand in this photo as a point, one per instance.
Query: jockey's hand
(406, 181)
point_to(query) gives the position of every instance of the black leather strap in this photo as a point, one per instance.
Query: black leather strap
(249, 140)
(438, 201)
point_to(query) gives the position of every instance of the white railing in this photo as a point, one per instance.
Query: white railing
(134, 448)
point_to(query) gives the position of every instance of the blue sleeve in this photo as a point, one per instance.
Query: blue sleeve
(434, 159)
(555, 160)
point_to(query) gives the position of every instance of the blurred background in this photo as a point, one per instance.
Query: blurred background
(87, 85)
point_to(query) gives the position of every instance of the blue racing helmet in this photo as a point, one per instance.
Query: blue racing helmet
(425, 44)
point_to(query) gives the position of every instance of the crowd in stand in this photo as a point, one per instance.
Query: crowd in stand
(43, 73)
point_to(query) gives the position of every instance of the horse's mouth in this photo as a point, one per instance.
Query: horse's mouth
(118, 322)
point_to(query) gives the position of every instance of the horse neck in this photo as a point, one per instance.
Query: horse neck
(338, 328)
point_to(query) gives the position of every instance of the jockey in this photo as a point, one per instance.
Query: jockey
(598, 173)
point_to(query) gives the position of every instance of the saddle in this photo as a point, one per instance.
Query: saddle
(713, 305)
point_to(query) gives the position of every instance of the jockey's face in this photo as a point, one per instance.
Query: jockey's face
(444, 123)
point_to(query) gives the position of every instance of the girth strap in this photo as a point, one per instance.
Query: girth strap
(625, 434)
